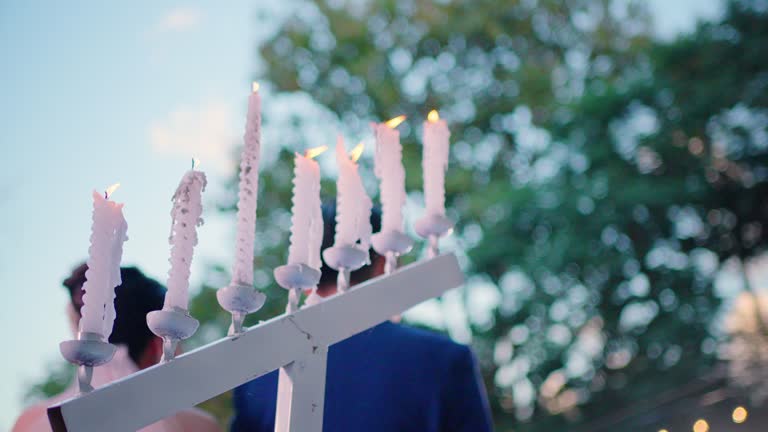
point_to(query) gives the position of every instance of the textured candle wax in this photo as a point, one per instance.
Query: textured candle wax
(108, 232)
(242, 272)
(434, 163)
(117, 257)
(185, 218)
(353, 206)
(307, 218)
(388, 167)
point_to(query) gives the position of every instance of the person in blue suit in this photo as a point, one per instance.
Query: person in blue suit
(389, 378)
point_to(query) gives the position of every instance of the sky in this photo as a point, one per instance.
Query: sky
(93, 93)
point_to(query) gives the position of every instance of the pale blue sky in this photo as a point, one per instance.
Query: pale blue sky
(84, 85)
(98, 92)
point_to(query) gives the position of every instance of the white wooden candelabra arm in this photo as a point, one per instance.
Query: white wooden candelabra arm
(296, 342)
(301, 393)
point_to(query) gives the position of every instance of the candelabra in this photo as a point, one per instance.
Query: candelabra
(297, 341)
(87, 351)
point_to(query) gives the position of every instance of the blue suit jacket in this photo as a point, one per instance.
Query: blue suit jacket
(390, 378)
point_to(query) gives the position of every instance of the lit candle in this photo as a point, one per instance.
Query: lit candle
(388, 167)
(242, 272)
(117, 257)
(108, 232)
(185, 218)
(435, 162)
(353, 206)
(307, 217)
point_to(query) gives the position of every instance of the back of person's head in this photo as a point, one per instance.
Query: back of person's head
(134, 298)
(329, 275)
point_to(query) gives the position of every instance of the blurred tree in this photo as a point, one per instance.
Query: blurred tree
(599, 180)
(673, 185)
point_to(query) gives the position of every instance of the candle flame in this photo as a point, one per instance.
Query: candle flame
(393, 123)
(195, 163)
(255, 86)
(110, 190)
(356, 152)
(433, 116)
(315, 151)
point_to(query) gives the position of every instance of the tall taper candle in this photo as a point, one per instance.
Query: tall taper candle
(353, 206)
(242, 272)
(108, 232)
(435, 162)
(185, 218)
(388, 167)
(307, 217)
(117, 257)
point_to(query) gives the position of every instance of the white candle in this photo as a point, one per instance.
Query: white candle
(435, 162)
(388, 167)
(307, 216)
(353, 206)
(185, 218)
(117, 257)
(108, 232)
(242, 271)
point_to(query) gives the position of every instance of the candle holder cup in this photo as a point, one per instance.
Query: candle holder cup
(172, 325)
(432, 227)
(239, 300)
(390, 245)
(87, 351)
(344, 259)
(295, 278)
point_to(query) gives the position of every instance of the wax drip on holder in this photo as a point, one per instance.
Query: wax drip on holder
(345, 259)
(173, 325)
(87, 351)
(432, 228)
(239, 300)
(391, 245)
(295, 278)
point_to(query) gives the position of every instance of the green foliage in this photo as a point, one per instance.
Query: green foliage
(599, 179)
(61, 376)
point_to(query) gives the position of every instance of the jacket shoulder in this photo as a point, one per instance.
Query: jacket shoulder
(422, 340)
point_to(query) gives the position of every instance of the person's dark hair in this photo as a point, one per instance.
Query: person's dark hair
(329, 231)
(134, 298)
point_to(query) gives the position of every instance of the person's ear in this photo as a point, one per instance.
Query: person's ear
(152, 353)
